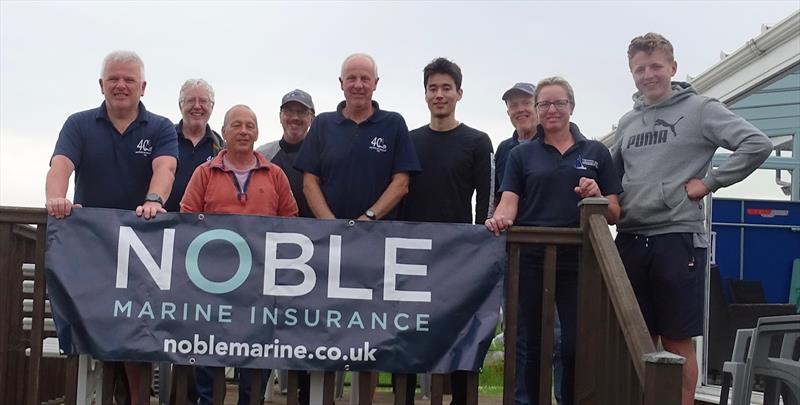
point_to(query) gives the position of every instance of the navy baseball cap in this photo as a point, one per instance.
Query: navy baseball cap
(299, 96)
(526, 88)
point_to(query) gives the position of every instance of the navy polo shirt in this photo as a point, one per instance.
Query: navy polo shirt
(501, 157)
(355, 162)
(113, 170)
(545, 180)
(189, 157)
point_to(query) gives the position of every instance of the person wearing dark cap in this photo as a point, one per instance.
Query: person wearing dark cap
(296, 114)
(522, 113)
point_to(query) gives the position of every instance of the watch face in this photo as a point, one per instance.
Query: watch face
(153, 197)
(370, 214)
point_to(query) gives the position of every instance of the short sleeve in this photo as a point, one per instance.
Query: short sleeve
(70, 141)
(514, 176)
(405, 155)
(608, 176)
(309, 158)
(166, 140)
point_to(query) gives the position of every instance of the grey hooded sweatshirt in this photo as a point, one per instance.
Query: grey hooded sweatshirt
(660, 147)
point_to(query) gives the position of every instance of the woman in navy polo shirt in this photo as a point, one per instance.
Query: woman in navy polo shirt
(542, 185)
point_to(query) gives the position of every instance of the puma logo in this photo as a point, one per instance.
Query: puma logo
(671, 127)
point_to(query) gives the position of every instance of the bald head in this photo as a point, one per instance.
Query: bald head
(240, 130)
(359, 57)
(235, 109)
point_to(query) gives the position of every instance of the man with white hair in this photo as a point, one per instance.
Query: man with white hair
(356, 160)
(123, 156)
(197, 142)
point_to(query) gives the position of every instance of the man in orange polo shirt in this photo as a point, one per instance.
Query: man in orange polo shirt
(239, 181)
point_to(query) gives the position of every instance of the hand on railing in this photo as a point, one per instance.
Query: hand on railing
(60, 207)
(587, 188)
(498, 223)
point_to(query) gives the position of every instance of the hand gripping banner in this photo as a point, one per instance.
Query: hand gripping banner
(265, 292)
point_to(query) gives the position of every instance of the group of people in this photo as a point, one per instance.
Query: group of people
(655, 178)
(361, 162)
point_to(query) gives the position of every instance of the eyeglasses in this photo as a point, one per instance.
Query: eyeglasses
(516, 104)
(561, 105)
(295, 113)
(192, 101)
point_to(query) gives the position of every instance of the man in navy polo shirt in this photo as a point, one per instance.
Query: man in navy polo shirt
(197, 142)
(123, 157)
(356, 161)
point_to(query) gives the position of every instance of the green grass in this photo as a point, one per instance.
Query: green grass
(490, 381)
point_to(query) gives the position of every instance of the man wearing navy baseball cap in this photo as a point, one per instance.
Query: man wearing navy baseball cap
(296, 114)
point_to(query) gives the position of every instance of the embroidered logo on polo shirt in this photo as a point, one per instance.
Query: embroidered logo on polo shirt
(581, 163)
(144, 147)
(378, 145)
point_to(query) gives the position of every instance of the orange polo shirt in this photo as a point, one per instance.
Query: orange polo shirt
(214, 189)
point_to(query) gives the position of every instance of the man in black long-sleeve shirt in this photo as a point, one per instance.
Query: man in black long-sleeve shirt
(456, 162)
(455, 159)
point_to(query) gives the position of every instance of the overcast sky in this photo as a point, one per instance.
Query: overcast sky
(254, 52)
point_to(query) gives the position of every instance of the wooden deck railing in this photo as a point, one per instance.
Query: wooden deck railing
(616, 361)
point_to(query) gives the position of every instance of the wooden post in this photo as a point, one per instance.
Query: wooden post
(587, 366)
(328, 387)
(437, 389)
(292, 386)
(37, 318)
(256, 380)
(510, 333)
(220, 390)
(180, 383)
(11, 351)
(662, 381)
(547, 327)
(71, 381)
(365, 387)
(109, 373)
(472, 387)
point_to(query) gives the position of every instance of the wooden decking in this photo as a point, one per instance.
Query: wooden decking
(382, 397)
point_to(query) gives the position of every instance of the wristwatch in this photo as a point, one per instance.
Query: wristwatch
(371, 215)
(153, 197)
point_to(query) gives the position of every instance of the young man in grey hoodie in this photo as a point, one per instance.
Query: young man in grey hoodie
(663, 152)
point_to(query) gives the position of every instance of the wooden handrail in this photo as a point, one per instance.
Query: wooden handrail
(621, 294)
(23, 215)
(544, 235)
